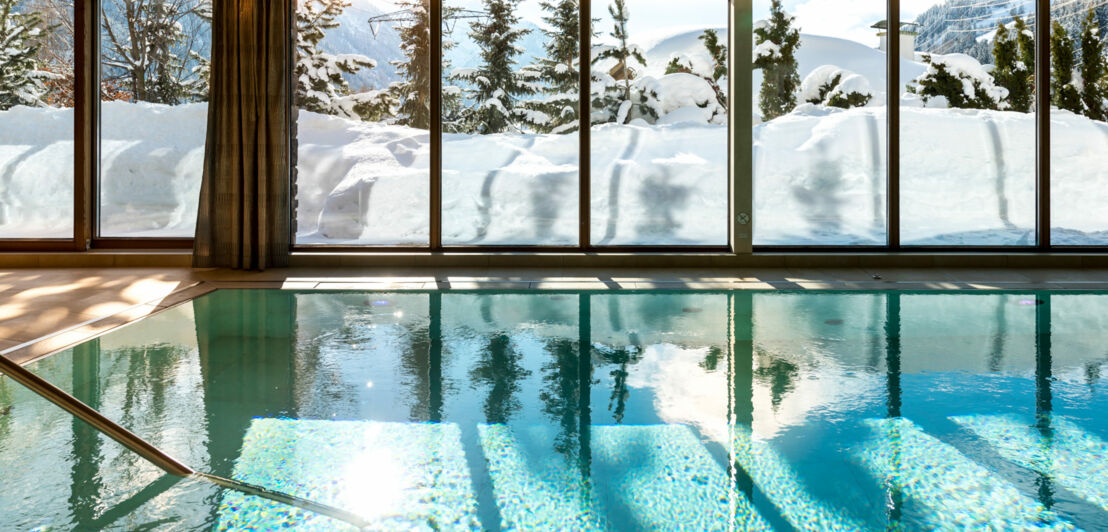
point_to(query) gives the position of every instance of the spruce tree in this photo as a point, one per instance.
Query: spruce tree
(320, 86)
(1093, 69)
(557, 75)
(620, 95)
(21, 80)
(414, 92)
(1010, 72)
(1025, 38)
(776, 42)
(1063, 92)
(496, 85)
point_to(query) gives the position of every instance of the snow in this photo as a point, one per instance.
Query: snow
(820, 177)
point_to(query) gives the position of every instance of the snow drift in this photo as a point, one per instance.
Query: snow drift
(967, 177)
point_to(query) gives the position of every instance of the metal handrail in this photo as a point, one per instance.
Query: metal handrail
(156, 456)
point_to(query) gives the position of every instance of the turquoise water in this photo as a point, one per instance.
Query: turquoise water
(684, 411)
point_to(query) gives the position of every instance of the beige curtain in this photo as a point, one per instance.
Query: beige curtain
(243, 220)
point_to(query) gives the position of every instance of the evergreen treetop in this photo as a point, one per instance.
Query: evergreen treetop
(21, 80)
(1010, 72)
(775, 44)
(496, 84)
(558, 75)
(320, 86)
(1063, 91)
(1093, 69)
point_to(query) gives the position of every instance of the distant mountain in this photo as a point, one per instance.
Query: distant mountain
(966, 26)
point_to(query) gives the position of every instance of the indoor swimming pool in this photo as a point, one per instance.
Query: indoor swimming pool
(636, 410)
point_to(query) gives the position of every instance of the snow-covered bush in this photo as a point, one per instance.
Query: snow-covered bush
(684, 92)
(835, 87)
(961, 81)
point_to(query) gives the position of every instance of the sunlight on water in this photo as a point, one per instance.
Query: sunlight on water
(399, 476)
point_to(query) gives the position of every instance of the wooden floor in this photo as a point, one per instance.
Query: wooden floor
(46, 310)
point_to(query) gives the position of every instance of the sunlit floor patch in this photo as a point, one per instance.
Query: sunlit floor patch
(399, 476)
(1073, 458)
(660, 476)
(953, 491)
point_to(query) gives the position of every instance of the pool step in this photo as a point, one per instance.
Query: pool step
(399, 476)
(957, 492)
(1073, 458)
(646, 477)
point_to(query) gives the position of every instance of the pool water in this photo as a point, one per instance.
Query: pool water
(581, 411)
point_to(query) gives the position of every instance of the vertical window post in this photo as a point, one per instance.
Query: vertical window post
(1042, 120)
(584, 116)
(892, 101)
(741, 149)
(435, 21)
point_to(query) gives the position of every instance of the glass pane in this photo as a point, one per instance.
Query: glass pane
(36, 119)
(510, 144)
(967, 127)
(363, 89)
(820, 123)
(659, 123)
(1078, 128)
(154, 66)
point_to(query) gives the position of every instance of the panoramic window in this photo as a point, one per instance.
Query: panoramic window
(363, 87)
(509, 112)
(1078, 128)
(659, 116)
(36, 119)
(967, 124)
(820, 108)
(154, 64)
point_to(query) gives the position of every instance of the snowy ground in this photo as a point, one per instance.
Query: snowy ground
(967, 177)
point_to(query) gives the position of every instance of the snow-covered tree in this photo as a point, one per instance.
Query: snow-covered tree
(960, 81)
(1093, 69)
(200, 85)
(1063, 90)
(557, 76)
(496, 85)
(413, 94)
(835, 87)
(22, 81)
(621, 94)
(1010, 72)
(320, 86)
(775, 44)
(143, 40)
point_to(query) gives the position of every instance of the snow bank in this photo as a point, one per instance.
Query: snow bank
(967, 177)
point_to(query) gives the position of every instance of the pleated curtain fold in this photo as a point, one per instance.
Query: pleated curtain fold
(244, 217)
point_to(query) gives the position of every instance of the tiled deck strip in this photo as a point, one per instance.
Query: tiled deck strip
(43, 311)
